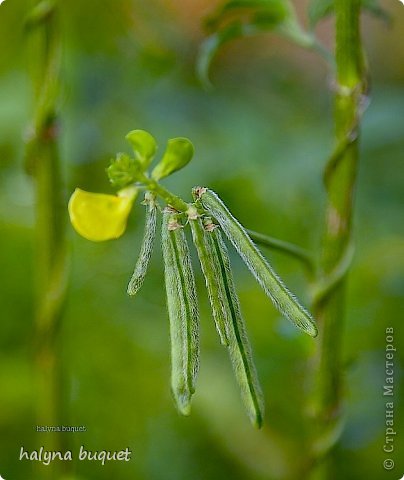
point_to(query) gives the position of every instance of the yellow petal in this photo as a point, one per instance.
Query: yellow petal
(97, 216)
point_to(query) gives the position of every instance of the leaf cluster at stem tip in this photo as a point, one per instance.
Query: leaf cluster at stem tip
(125, 170)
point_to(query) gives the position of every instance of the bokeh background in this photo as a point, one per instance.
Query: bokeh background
(262, 137)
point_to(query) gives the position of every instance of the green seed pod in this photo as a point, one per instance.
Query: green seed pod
(178, 154)
(273, 286)
(211, 271)
(146, 249)
(239, 346)
(183, 314)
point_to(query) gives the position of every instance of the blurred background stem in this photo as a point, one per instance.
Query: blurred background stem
(340, 177)
(43, 162)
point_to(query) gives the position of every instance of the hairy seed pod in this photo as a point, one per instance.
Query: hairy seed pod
(211, 272)
(273, 286)
(239, 346)
(183, 314)
(146, 249)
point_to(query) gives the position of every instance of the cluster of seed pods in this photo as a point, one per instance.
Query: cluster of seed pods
(209, 218)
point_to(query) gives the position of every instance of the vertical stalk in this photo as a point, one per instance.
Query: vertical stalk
(340, 179)
(50, 254)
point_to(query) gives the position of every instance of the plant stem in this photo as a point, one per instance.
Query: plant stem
(51, 261)
(340, 181)
(166, 195)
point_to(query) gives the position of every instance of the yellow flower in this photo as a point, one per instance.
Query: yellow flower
(98, 216)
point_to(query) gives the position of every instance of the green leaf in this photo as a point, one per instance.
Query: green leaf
(144, 146)
(178, 154)
(243, 18)
(374, 7)
(212, 45)
(276, 10)
(123, 170)
(319, 9)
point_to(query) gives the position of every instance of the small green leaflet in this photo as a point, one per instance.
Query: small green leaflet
(178, 154)
(144, 146)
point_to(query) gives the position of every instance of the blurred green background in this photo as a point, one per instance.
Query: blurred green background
(262, 137)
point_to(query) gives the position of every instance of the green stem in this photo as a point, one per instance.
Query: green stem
(51, 260)
(288, 248)
(340, 182)
(165, 194)
(318, 47)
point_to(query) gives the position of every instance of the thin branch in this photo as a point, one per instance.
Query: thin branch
(287, 248)
(326, 285)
